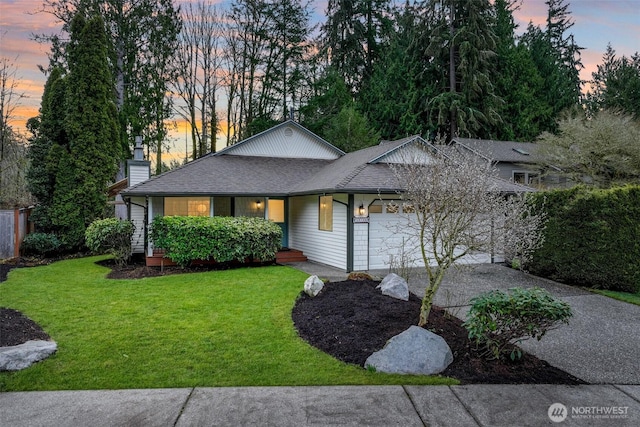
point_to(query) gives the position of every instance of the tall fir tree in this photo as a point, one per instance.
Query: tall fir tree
(351, 35)
(392, 97)
(615, 84)
(557, 58)
(48, 130)
(83, 143)
(517, 82)
(464, 44)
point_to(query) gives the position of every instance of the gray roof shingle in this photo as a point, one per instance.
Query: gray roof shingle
(501, 151)
(357, 172)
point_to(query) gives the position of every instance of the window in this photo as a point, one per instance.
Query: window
(325, 209)
(187, 206)
(222, 206)
(526, 178)
(276, 210)
(519, 177)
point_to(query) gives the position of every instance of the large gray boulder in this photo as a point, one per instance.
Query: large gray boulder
(395, 287)
(24, 355)
(415, 351)
(313, 285)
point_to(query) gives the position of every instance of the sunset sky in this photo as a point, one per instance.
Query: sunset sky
(597, 22)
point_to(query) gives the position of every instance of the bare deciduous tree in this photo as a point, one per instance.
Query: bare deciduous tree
(601, 151)
(199, 61)
(13, 158)
(460, 207)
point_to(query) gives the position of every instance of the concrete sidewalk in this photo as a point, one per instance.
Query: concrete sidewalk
(471, 405)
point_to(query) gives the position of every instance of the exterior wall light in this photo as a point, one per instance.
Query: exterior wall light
(361, 210)
(258, 204)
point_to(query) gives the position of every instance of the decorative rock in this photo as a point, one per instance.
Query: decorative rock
(395, 287)
(415, 351)
(313, 285)
(24, 355)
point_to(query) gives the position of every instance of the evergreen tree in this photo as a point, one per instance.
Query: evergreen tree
(330, 96)
(350, 131)
(351, 35)
(517, 82)
(615, 84)
(76, 147)
(463, 43)
(393, 96)
(557, 58)
(48, 130)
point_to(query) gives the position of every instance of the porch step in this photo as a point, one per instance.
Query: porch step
(290, 255)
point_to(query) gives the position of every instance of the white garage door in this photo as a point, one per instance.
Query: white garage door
(391, 238)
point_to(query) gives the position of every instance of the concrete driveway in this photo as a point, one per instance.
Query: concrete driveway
(600, 344)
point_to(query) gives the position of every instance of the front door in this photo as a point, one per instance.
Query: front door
(277, 212)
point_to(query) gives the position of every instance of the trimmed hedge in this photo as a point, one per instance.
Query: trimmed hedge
(592, 238)
(112, 236)
(223, 239)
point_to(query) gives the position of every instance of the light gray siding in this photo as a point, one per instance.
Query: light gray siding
(136, 214)
(247, 206)
(286, 142)
(138, 173)
(326, 247)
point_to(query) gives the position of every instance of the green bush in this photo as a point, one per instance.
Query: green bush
(499, 319)
(592, 238)
(41, 244)
(223, 239)
(112, 236)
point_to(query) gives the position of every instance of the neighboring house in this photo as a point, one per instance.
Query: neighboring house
(517, 162)
(339, 209)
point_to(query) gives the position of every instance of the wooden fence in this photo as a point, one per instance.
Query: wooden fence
(14, 225)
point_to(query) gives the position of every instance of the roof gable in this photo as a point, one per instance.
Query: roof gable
(288, 140)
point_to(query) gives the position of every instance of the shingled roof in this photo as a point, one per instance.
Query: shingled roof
(362, 171)
(501, 151)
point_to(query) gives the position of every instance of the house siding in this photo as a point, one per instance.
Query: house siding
(246, 206)
(326, 247)
(287, 142)
(136, 214)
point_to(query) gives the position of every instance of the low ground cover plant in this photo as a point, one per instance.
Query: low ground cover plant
(500, 319)
(111, 236)
(223, 239)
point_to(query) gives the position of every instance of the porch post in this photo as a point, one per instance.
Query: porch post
(350, 233)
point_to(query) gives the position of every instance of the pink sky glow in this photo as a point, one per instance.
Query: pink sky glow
(597, 22)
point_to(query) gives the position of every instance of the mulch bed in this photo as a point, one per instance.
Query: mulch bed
(15, 328)
(349, 320)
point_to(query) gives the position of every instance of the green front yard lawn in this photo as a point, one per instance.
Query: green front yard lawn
(218, 328)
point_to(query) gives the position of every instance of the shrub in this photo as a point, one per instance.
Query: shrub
(592, 238)
(499, 319)
(223, 239)
(112, 236)
(41, 244)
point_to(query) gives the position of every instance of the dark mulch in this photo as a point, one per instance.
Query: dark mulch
(350, 320)
(137, 268)
(15, 328)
